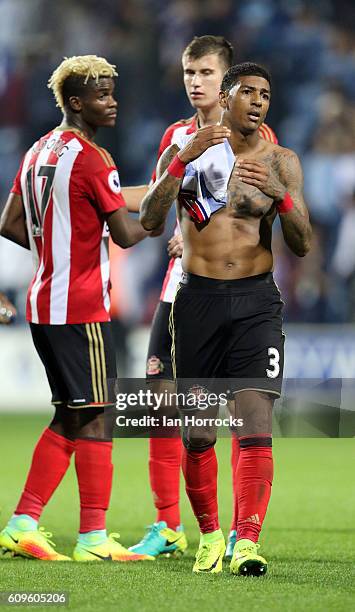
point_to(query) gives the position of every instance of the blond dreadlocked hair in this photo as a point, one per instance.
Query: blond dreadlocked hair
(88, 66)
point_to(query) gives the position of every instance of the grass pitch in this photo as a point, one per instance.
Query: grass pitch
(308, 536)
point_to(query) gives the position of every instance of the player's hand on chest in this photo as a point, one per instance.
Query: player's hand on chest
(254, 183)
(246, 200)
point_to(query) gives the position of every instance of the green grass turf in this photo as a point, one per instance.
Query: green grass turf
(308, 536)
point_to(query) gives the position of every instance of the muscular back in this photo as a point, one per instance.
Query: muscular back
(236, 241)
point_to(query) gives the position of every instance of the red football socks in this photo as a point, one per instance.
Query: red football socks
(94, 471)
(254, 480)
(234, 462)
(164, 473)
(200, 471)
(50, 461)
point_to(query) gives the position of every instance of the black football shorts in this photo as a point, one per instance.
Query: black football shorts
(159, 349)
(80, 362)
(229, 329)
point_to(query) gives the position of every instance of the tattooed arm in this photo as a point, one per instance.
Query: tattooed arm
(283, 176)
(156, 204)
(296, 228)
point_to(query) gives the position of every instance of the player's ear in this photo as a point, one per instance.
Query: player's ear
(223, 99)
(75, 104)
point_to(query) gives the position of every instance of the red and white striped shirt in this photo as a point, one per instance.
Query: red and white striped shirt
(68, 184)
(170, 136)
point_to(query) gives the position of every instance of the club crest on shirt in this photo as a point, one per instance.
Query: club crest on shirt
(154, 366)
(198, 391)
(114, 181)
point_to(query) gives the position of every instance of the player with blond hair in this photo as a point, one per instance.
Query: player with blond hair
(65, 191)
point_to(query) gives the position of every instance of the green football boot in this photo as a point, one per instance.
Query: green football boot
(246, 561)
(161, 540)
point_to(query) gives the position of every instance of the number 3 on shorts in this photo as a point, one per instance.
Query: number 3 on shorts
(274, 359)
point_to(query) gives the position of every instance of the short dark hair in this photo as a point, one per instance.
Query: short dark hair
(245, 69)
(208, 44)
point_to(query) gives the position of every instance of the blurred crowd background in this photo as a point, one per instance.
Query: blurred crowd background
(309, 47)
